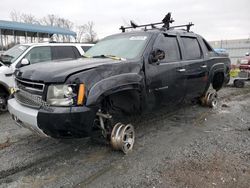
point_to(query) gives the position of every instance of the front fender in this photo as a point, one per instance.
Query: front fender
(113, 84)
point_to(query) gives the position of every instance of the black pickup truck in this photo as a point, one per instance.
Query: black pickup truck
(124, 74)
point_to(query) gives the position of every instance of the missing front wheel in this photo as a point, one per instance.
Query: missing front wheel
(210, 99)
(120, 136)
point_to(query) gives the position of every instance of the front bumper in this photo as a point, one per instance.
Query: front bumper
(25, 117)
(58, 122)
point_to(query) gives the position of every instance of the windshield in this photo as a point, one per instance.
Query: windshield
(13, 53)
(122, 46)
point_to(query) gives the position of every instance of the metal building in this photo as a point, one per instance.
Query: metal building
(30, 30)
(235, 48)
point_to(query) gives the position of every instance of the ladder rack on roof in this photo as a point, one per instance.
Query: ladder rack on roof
(166, 25)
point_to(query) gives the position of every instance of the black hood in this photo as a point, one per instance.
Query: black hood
(55, 72)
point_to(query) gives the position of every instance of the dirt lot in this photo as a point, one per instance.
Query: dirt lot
(193, 146)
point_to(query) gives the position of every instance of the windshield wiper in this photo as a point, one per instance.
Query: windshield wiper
(86, 56)
(4, 61)
(6, 55)
(109, 56)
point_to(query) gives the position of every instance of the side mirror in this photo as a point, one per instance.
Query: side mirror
(25, 62)
(156, 55)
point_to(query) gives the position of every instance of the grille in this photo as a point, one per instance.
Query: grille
(32, 87)
(27, 99)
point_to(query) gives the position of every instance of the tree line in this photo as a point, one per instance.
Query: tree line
(85, 32)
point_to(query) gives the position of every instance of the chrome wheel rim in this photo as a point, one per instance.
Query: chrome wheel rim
(123, 137)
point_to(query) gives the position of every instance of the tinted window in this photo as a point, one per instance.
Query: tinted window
(85, 48)
(192, 48)
(76, 52)
(39, 54)
(63, 52)
(170, 46)
(208, 47)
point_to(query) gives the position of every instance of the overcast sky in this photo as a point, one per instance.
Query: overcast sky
(213, 19)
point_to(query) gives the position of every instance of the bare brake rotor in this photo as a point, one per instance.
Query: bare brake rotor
(123, 137)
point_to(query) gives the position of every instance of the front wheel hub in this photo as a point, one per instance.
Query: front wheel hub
(123, 137)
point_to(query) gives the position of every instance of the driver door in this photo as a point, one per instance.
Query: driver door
(166, 79)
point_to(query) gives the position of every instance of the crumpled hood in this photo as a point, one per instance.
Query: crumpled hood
(57, 72)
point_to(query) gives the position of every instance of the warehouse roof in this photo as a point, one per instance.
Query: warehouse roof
(20, 29)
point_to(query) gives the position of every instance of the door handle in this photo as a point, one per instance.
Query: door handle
(204, 66)
(181, 70)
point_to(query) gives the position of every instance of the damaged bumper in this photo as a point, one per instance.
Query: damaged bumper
(24, 117)
(59, 122)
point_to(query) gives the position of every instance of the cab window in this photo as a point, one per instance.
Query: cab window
(65, 52)
(85, 48)
(192, 48)
(170, 46)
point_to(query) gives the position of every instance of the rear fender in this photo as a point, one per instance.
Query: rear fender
(218, 67)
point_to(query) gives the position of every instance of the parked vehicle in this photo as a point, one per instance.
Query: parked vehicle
(122, 75)
(245, 65)
(238, 77)
(25, 54)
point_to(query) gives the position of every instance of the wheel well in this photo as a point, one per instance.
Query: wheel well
(4, 90)
(126, 102)
(218, 80)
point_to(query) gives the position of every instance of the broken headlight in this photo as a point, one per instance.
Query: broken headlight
(61, 95)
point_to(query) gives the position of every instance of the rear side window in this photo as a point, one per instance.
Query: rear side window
(85, 48)
(170, 46)
(208, 47)
(65, 52)
(39, 54)
(192, 48)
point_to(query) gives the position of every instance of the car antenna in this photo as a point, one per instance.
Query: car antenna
(167, 20)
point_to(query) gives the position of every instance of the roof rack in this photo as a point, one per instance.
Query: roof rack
(166, 24)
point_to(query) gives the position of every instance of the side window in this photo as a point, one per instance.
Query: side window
(192, 48)
(76, 52)
(39, 54)
(64, 52)
(85, 48)
(170, 46)
(208, 47)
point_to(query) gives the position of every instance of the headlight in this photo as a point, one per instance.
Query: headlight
(61, 95)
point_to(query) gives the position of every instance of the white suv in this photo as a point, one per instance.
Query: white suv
(25, 54)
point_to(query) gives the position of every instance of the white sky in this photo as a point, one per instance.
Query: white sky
(213, 19)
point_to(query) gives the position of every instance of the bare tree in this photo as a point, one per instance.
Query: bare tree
(66, 24)
(50, 20)
(15, 16)
(90, 34)
(29, 18)
(80, 30)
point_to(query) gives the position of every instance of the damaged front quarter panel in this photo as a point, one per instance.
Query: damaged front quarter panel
(109, 79)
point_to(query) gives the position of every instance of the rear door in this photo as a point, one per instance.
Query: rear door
(165, 80)
(194, 66)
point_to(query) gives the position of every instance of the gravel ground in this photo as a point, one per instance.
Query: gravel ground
(193, 146)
